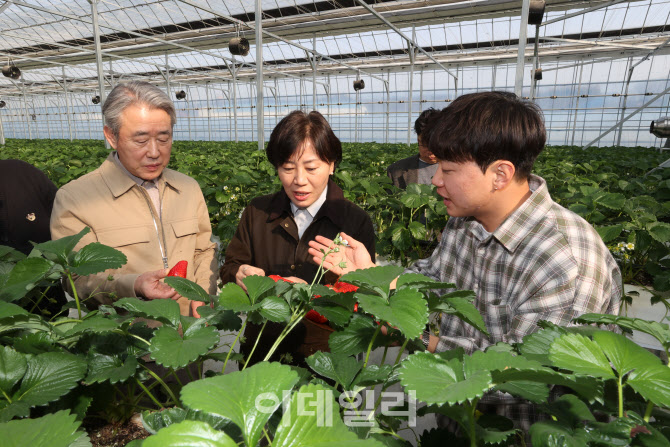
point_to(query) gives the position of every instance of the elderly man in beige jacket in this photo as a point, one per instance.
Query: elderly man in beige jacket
(132, 202)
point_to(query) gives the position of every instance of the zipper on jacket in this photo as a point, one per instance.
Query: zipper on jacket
(163, 246)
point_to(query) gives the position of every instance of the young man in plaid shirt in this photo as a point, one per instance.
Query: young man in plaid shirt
(527, 258)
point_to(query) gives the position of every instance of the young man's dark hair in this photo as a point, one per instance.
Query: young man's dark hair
(489, 126)
(296, 128)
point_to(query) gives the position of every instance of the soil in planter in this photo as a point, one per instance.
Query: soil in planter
(103, 434)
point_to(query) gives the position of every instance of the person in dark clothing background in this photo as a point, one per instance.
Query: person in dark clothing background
(418, 168)
(26, 199)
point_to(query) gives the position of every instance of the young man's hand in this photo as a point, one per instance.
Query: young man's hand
(348, 258)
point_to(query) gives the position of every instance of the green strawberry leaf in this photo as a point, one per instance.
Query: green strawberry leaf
(275, 309)
(59, 250)
(623, 353)
(13, 366)
(420, 282)
(154, 421)
(466, 311)
(96, 323)
(406, 310)
(248, 398)
(659, 231)
(341, 369)
(569, 408)
(189, 433)
(53, 430)
(187, 288)
(437, 381)
(532, 391)
(609, 233)
(233, 297)
(320, 425)
(580, 354)
(171, 350)
(653, 383)
(10, 310)
(417, 230)
(258, 286)
(356, 337)
(24, 277)
(555, 434)
(165, 311)
(373, 375)
(536, 345)
(96, 258)
(375, 278)
(103, 367)
(50, 376)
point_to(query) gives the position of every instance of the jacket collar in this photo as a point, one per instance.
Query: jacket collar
(332, 208)
(119, 182)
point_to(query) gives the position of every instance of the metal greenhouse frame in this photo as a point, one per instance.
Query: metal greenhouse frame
(604, 64)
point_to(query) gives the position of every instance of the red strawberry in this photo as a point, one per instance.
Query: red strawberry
(277, 278)
(343, 287)
(356, 307)
(179, 269)
(316, 317)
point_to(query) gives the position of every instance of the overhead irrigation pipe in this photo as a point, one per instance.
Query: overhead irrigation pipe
(275, 36)
(136, 34)
(400, 33)
(628, 117)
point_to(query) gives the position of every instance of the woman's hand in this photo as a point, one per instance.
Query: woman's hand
(354, 255)
(295, 280)
(247, 270)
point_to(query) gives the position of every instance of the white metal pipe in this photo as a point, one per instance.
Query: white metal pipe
(259, 74)
(401, 34)
(209, 121)
(521, 54)
(98, 60)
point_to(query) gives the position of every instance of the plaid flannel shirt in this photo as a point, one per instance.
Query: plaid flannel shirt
(543, 263)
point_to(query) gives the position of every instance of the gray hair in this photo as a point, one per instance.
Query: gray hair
(130, 93)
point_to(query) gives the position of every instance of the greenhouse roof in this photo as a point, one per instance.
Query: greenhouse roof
(52, 41)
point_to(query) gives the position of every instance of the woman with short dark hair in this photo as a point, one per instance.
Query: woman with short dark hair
(274, 230)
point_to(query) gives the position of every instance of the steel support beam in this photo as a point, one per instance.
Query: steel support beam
(234, 71)
(521, 54)
(388, 105)
(67, 106)
(25, 108)
(644, 106)
(98, 60)
(409, 41)
(412, 55)
(209, 121)
(579, 92)
(259, 74)
(46, 114)
(2, 131)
